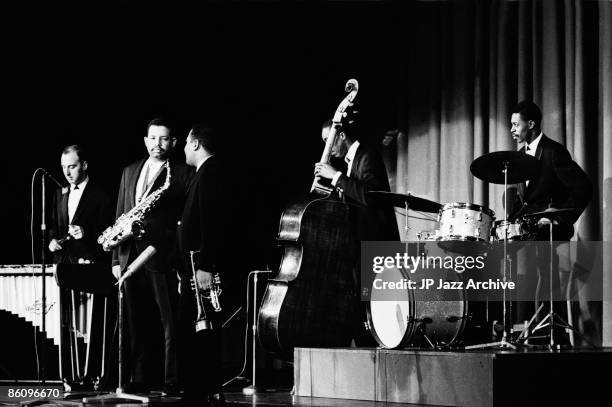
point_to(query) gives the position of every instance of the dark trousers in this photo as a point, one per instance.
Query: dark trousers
(200, 353)
(144, 290)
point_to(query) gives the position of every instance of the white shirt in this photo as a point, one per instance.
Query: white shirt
(531, 149)
(348, 158)
(75, 197)
(154, 168)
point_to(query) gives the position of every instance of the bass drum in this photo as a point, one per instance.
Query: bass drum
(391, 313)
(403, 317)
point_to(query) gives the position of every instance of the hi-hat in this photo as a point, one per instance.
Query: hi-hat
(400, 200)
(490, 167)
(550, 211)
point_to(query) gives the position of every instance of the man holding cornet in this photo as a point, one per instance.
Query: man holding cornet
(201, 242)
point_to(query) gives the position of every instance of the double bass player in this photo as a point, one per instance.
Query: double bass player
(314, 299)
(365, 172)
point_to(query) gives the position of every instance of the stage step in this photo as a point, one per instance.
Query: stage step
(470, 378)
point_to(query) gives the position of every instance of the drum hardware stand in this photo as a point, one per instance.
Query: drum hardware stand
(421, 328)
(524, 334)
(504, 342)
(551, 319)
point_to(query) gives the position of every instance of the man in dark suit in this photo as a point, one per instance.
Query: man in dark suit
(201, 232)
(365, 172)
(559, 183)
(80, 212)
(155, 284)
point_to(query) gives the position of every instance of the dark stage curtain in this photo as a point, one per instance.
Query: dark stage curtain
(469, 62)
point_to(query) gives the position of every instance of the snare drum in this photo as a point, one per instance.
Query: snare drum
(428, 235)
(465, 221)
(516, 231)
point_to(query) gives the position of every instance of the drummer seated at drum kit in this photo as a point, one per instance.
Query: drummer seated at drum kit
(559, 183)
(558, 191)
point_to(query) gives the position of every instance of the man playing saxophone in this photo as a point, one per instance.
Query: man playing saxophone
(154, 284)
(201, 244)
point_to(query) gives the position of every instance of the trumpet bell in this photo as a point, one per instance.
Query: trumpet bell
(203, 325)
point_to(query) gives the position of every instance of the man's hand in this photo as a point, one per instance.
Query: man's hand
(324, 170)
(54, 246)
(75, 231)
(117, 271)
(204, 279)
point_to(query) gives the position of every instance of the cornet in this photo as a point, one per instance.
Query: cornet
(210, 294)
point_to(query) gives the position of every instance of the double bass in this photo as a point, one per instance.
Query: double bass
(312, 302)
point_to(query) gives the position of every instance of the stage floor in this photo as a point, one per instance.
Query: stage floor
(348, 376)
(234, 397)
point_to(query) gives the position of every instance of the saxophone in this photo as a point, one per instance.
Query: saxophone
(130, 224)
(211, 294)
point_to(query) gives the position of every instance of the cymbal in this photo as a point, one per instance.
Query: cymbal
(399, 200)
(550, 211)
(490, 167)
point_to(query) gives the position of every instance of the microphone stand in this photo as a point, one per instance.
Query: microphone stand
(43, 259)
(43, 249)
(503, 343)
(119, 393)
(252, 389)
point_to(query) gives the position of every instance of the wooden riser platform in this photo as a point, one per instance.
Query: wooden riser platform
(470, 378)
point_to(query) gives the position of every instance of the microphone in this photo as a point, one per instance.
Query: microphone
(137, 263)
(48, 174)
(64, 239)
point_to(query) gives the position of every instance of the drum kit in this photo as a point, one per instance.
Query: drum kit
(414, 318)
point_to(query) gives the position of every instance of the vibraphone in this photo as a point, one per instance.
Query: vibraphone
(21, 294)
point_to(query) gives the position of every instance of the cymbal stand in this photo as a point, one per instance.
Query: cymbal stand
(549, 319)
(504, 342)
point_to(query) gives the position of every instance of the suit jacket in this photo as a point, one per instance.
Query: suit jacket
(93, 214)
(203, 219)
(159, 222)
(559, 183)
(368, 173)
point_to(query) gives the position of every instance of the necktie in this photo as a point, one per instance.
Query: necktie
(72, 203)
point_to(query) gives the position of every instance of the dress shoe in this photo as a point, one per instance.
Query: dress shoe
(216, 400)
(171, 390)
(136, 388)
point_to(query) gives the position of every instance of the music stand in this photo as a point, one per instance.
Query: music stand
(551, 319)
(489, 168)
(93, 278)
